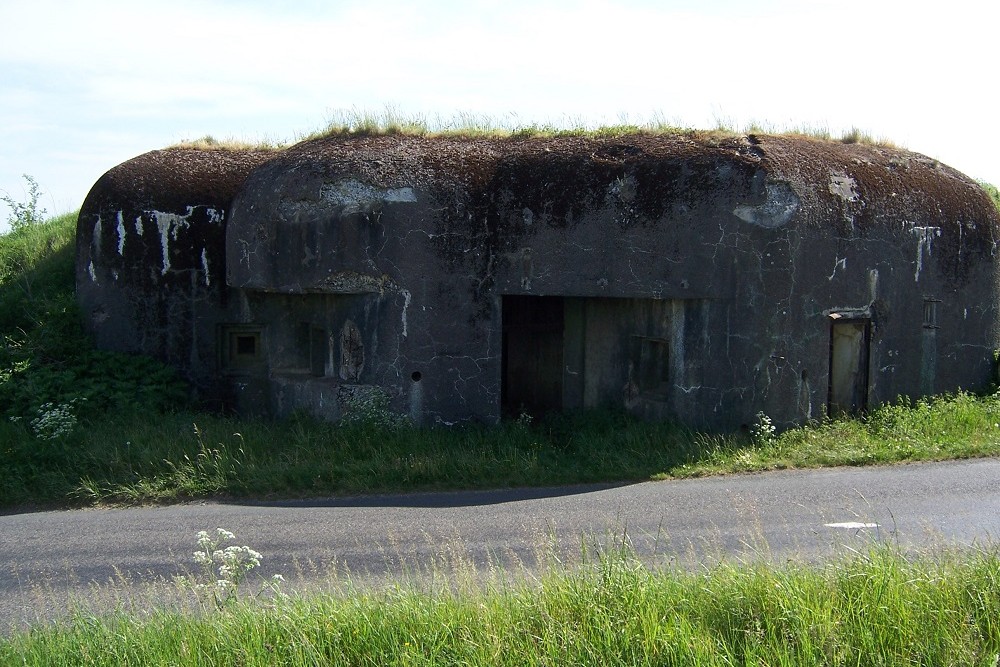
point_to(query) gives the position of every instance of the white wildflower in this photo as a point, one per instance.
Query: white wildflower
(233, 563)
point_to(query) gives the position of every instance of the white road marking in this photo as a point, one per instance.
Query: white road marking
(854, 525)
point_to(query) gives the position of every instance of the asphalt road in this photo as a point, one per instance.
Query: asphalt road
(52, 561)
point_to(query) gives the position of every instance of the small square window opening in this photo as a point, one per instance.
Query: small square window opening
(241, 347)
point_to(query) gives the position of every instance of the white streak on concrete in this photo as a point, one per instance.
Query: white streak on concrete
(925, 240)
(204, 267)
(170, 225)
(841, 263)
(163, 222)
(121, 234)
(406, 306)
(95, 241)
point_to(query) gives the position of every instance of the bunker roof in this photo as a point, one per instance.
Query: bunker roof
(886, 182)
(883, 182)
(174, 178)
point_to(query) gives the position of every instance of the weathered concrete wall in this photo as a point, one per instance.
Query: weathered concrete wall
(744, 247)
(151, 257)
(692, 277)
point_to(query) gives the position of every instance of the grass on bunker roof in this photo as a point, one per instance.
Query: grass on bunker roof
(81, 426)
(390, 122)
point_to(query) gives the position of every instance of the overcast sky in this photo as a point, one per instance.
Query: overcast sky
(87, 85)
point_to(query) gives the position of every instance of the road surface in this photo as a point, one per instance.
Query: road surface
(51, 561)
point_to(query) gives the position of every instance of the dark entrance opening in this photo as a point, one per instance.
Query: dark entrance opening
(850, 342)
(532, 356)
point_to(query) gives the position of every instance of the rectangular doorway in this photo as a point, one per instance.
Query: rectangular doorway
(532, 355)
(850, 342)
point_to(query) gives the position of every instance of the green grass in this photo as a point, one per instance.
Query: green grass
(45, 355)
(129, 458)
(36, 272)
(877, 608)
(936, 428)
(209, 142)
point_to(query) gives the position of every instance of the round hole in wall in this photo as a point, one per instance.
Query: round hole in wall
(416, 376)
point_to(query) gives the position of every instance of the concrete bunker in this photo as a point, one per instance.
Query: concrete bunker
(695, 277)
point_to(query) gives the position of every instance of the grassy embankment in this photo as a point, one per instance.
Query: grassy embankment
(129, 437)
(877, 608)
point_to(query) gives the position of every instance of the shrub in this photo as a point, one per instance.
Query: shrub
(25, 214)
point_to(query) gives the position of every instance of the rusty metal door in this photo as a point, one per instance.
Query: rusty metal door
(849, 361)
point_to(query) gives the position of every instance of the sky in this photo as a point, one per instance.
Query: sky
(85, 86)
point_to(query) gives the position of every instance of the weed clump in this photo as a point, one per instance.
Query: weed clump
(992, 191)
(26, 213)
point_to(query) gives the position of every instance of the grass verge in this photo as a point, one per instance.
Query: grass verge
(126, 457)
(877, 608)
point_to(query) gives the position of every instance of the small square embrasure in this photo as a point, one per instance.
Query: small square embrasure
(246, 345)
(242, 347)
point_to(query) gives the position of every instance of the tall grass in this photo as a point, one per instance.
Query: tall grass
(126, 457)
(877, 608)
